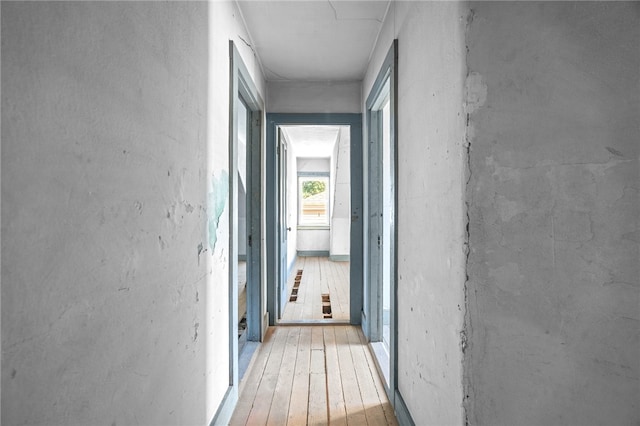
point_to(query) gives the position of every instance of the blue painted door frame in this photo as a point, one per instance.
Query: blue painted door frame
(386, 81)
(242, 89)
(274, 274)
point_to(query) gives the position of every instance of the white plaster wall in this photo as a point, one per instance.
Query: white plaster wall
(313, 97)
(313, 240)
(430, 213)
(553, 270)
(322, 165)
(104, 204)
(225, 24)
(341, 200)
(340, 231)
(333, 160)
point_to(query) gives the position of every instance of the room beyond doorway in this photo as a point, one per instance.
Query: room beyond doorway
(314, 204)
(315, 187)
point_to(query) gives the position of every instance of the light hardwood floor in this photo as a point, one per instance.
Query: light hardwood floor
(320, 276)
(313, 375)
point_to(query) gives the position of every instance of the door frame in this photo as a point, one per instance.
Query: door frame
(283, 229)
(274, 275)
(371, 324)
(242, 86)
(242, 89)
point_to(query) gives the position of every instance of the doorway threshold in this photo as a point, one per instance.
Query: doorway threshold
(312, 322)
(381, 356)
(245, 357)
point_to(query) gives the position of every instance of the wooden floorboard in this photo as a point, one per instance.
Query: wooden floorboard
(368, 392)
(300, 388)
(335, 397)
(279, 411)
(350, 387)
(252, 377)
(320, 276)
(378, 380)
(339, 292)
(314, 375)
(266, 388)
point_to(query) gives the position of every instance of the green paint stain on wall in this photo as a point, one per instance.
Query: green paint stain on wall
(216, 201)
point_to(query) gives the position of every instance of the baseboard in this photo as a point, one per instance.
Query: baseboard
(313, 253)
(365, 324)
(402, 412)
(265, 325)
(381, 361)
(339, 258)
(226, 407)
(245, 359)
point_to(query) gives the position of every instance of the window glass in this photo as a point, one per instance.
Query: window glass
(313, 200)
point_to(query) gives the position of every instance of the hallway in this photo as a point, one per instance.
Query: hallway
(313, 375)
(491, 221)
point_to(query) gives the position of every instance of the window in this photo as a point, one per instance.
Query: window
(313, 200)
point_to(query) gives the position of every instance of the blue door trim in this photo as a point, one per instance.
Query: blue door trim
(273, 260)
(372, 327)
(243, 89)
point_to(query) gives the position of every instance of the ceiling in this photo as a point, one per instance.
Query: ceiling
(314, 40)
(312, 141)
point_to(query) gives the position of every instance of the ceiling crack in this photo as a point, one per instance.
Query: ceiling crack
(335, 14)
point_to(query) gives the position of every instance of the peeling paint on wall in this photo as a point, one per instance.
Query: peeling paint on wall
(216, 202)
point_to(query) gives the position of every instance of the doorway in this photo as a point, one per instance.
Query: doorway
(314, 226)
(315, 190)
(245, 148)
(380, 313)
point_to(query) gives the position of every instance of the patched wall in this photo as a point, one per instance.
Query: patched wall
(553, 303)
